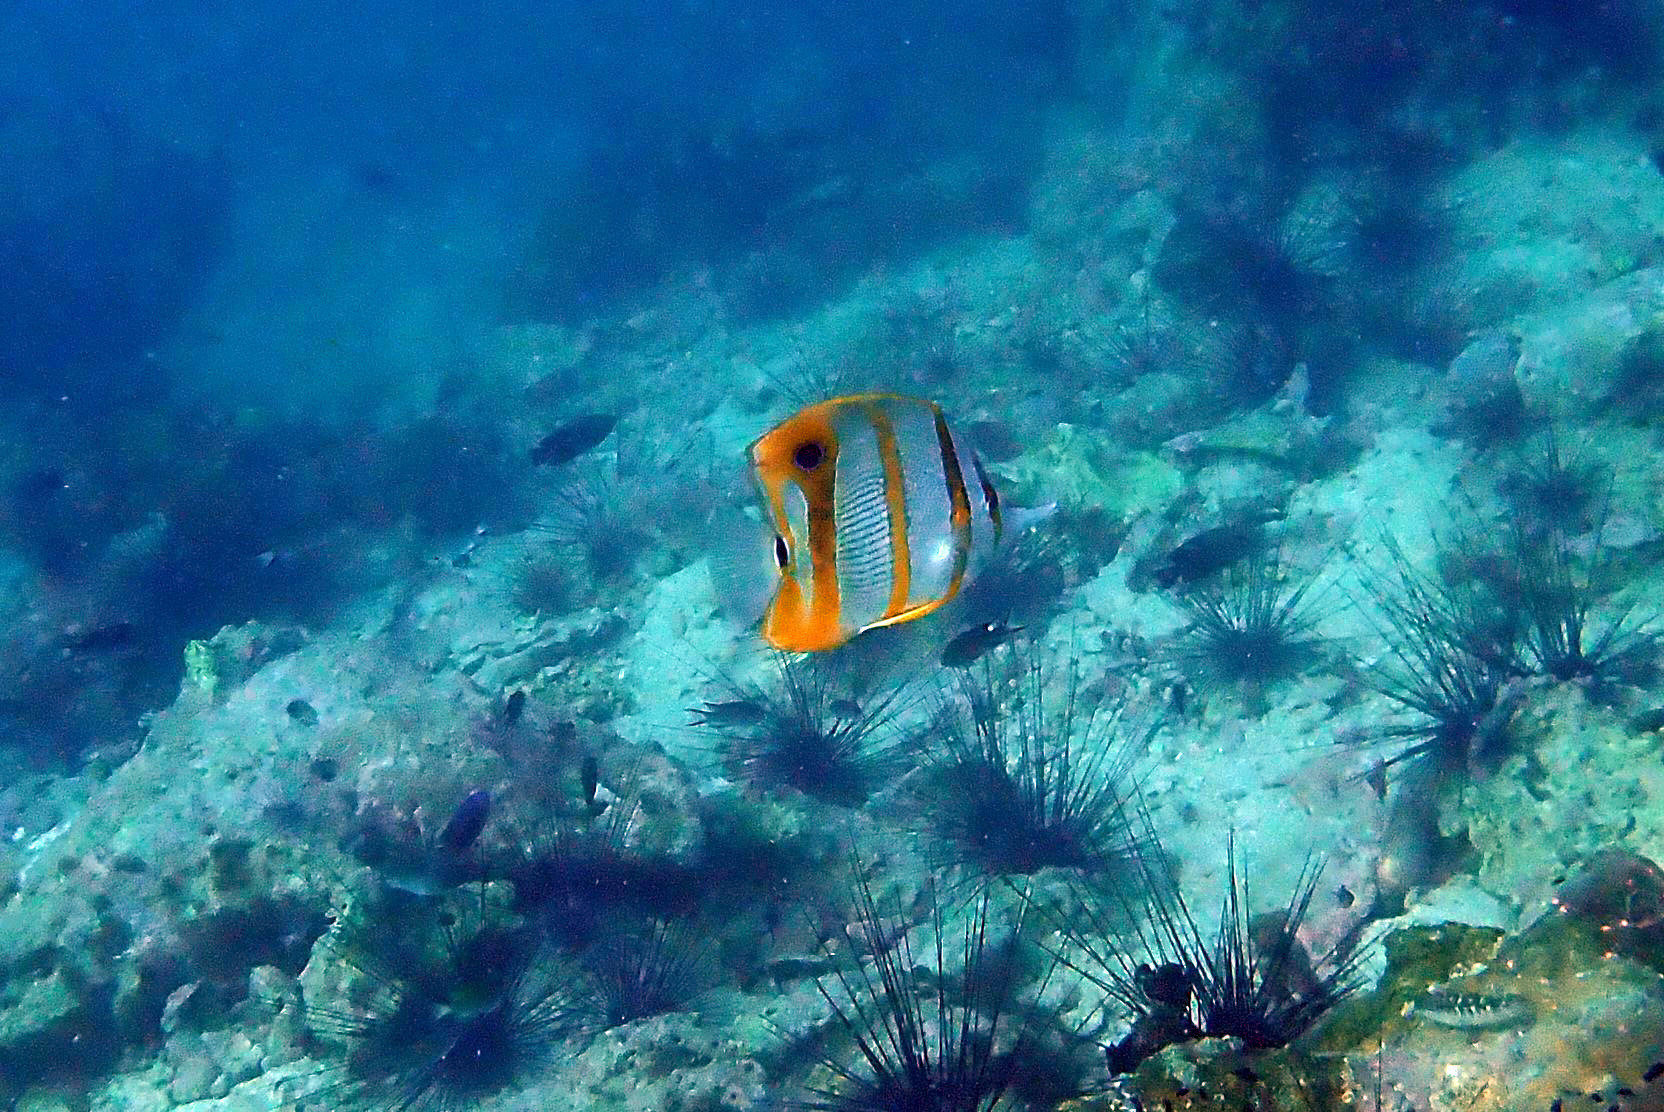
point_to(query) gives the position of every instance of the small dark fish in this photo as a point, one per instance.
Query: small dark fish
(590, 772)
(513, 707)
(733, 712)
(467, 822)
(1344, 896)
(772, 917)
(971, 645)
(377, 177)
(288, 560)
(104, 638)
(847, 709)
(302, 711)
(572, 439)
(1212, 550)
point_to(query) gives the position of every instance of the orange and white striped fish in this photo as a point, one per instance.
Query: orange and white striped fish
(879, 515)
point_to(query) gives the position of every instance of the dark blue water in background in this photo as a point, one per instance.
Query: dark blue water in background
(305, 215)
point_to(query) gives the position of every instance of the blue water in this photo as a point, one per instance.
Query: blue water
(384, 718)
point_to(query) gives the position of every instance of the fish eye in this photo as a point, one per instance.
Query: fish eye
(782, 554)
(808, 455)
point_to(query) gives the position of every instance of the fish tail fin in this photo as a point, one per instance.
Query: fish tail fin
(1020, 519)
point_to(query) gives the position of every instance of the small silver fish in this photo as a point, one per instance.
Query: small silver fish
(1474, 1011)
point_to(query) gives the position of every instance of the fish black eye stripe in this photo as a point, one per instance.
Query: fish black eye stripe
(809, 455)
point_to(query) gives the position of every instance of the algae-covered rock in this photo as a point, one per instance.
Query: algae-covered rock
(747, 822)
(43, 1006)
(1416, 959)
(1462, 1018)
(202, 670)
(43, 1100)
(236, 653)
(1078, 465)
(686, 1061)
(1219, 1073)
(1281, 433)
(1541, 221)
(53, 1025)
(1552, 1014)
(218, 845)
(1582, 353)
(1582, 782)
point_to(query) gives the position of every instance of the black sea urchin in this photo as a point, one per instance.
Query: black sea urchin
(1250, 627)
(1285, 266)
(637, 972)
(1253, 980)
(1572, 630)
(1283, 262)
(1019, 786)
(927, 1027)
(1550, 488)
(450, 1011)
(1452, 651)
(806, 734)
(596, 516)
(580, 871)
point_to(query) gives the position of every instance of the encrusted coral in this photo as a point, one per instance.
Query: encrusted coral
(1583, 783)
